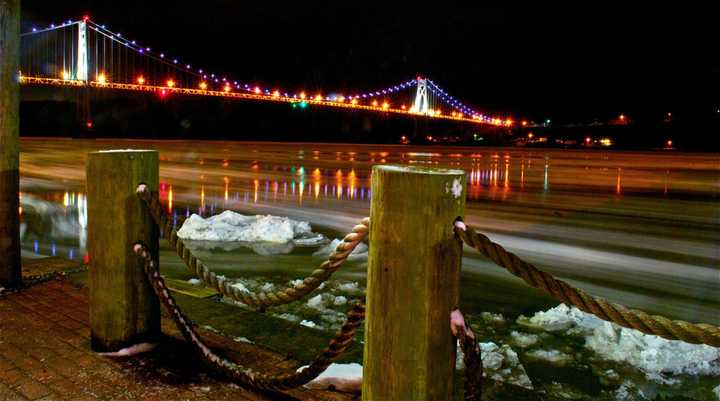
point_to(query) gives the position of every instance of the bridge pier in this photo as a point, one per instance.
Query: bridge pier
(10, 269)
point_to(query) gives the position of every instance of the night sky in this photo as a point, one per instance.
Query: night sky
(568, 63)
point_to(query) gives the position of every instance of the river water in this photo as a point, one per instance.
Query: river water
(639, 228)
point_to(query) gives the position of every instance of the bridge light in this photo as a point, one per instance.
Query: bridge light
(256, 90)
(374, 103)
(302, 95)
(65, 76)
(508, 122)
(402, 107)
(530, 135)
(341, 99)
(203, 85)
(86, 17)
(226, 88)
(318, 97)
(101, 78)
(170, 83)
(141, 80)
(276, 93)
(386, 105)
(524, 123)
(354, 101)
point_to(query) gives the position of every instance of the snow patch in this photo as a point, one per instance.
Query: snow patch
(195, 281)
(342, 377)
(716, 390)
(308, 323)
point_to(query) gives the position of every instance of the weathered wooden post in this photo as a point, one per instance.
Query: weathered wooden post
(9, 150)
(123, 308)
(412, 284)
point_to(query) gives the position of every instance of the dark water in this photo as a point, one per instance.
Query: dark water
(641, 229)
(638, 228)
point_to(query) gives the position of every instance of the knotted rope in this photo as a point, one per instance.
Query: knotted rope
(694, 333)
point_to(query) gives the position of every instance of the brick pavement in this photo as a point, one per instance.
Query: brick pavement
(45, 355)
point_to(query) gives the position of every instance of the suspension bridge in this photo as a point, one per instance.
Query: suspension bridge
(84, 54)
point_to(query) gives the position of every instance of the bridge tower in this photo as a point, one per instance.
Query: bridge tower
(421, 98)
(81, 72)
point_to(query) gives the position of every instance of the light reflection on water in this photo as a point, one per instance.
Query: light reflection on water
(632, 209)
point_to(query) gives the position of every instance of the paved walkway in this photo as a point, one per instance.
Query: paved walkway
(45, 355)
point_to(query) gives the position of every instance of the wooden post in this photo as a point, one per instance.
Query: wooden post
(10, 272)
(123, 308)
(412, 283)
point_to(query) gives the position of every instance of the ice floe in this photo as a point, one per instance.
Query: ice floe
(553, 356)
(266, 235)
(656, 357)
(523, 340)
(500, 363)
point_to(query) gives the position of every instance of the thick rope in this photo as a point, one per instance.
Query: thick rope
(246, 376)
(694, 333)
(261, 299)
(33, 280)
(472, 357)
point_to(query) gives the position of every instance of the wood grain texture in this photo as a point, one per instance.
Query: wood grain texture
(10, 272)
(412, 284)
(123, 308)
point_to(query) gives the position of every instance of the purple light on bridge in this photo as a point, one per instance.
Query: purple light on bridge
(162, 55)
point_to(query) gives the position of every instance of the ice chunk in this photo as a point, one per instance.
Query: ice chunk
(289, 316)
(360, 253)
(342, 377)
(339, 300)
(523, 340)
(350, 287)
(229, 226)
(502, 364)
(315, 302)
(553, 356)
(653, 355)
(240, 286)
